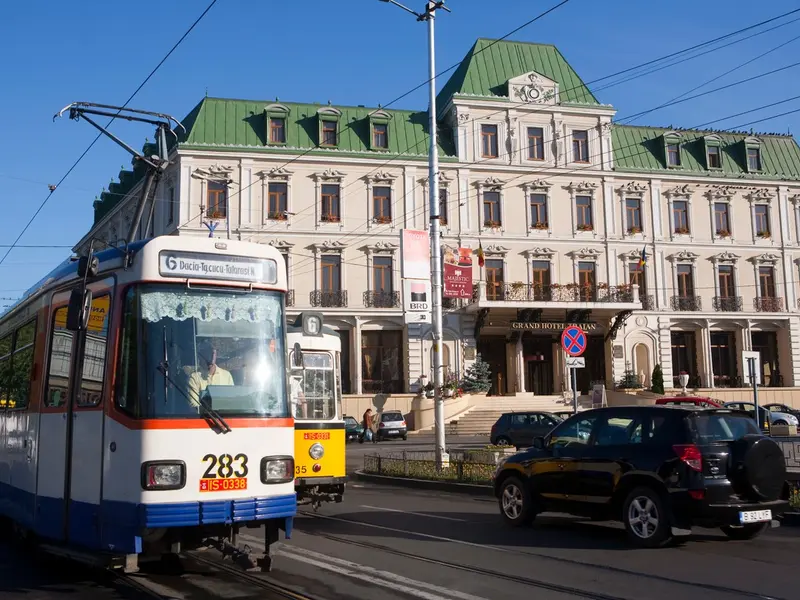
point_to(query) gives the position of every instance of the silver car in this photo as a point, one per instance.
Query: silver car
(392, 426)
(775, 418)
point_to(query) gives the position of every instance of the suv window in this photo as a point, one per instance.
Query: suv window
(574, 432)
(618, 431)
(722, 427)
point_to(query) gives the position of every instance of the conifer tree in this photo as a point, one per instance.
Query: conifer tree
(657, 380)
(478, 377)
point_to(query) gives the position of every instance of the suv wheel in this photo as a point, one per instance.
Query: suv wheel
(516, 504)
(503, 441)
(646, 519)
(744, 532)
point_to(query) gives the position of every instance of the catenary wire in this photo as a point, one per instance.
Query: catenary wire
(94, 141)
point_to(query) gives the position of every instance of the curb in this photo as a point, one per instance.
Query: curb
(425, 484)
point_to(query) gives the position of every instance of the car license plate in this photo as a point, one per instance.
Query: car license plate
(755, 516)
(392, 431)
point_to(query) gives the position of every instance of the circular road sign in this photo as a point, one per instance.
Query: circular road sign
(573, 340)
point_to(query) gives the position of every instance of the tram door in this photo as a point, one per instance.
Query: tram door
(71, 427)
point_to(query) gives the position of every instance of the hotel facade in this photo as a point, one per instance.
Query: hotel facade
(671, 247)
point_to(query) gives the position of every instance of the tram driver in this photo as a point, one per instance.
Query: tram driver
(209, 373)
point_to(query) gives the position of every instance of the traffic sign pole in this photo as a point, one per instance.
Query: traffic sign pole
(574, 391)
(573, 340)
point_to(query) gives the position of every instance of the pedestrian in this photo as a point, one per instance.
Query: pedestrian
(368, 434)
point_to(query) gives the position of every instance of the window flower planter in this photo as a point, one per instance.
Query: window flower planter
(681, 231)
(632, 230)
(585, 227)
(539, 225)
(277, 216)
(723, 233)
(383, 220)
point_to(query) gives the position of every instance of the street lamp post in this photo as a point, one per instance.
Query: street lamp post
(436, 253)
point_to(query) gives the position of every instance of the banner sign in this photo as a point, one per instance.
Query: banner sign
(457, 273)
(417, 296)
(415, 252)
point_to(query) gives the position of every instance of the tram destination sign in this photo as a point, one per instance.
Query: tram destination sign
(551, 326)
(215, 266)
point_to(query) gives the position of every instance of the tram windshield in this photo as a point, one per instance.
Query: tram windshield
(186, 352)
(314, 388)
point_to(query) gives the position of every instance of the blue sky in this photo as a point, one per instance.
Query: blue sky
(348, 52)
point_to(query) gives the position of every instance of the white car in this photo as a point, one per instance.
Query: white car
(775, 418)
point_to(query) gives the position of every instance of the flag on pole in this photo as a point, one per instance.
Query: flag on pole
(480, 255)
(643, 257)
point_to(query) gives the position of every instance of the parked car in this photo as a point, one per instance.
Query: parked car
(519, 428)
(392, 425)
(774, 418)
(563, 414)
(660, 470)
(688, 401)
(352, 428)
(783, 408)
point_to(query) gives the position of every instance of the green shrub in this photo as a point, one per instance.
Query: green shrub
(657, 380)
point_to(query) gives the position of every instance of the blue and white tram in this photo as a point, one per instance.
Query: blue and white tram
(143, 402)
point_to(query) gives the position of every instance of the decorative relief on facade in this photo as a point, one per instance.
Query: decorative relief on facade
(539, 253)
(281, 244)
(329, 247)
(585, 253)
(679, 191)
(380, 176)
(382, 248)
(725, 257)
(214, 173)
(768, 258)
(329, 175)
(633, 255)
(634, 188)
(717, 192)
(538, 184)
(761, 195)
(583, 187)
(275, 174)
(495, 249)
(444, 178)
(532, 88)
(491, 182)
(684, 256)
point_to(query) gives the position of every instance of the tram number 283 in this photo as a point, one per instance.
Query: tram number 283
(225, 466)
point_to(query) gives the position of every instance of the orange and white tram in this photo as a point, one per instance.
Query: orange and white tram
(143, 402)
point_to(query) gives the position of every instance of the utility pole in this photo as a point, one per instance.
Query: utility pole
(436, 246)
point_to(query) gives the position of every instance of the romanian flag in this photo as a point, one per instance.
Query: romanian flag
(480, 255)
(643, 257)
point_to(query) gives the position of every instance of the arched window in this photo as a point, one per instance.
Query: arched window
(448, 368)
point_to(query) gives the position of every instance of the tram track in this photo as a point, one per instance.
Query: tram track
(537, 583)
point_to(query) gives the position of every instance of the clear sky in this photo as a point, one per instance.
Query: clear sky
(348, 52)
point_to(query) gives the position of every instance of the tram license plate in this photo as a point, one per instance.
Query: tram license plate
(223, 485)
(755, 516)
(317, 435)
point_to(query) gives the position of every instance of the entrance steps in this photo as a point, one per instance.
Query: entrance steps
(487, 410)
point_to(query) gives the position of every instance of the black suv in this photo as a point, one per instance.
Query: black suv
(660, 470)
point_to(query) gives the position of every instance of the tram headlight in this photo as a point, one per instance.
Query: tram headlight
(163, 475)
(316, 451)
(277, 469)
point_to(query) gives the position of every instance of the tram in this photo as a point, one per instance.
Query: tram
(145, 408)
(316, 396)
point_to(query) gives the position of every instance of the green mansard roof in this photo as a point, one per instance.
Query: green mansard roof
(642, 149)
(489, 65)
(224, 124)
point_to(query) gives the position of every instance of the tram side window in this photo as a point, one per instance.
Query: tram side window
(94, 354)
(6, 345)
(60, 361)
(315, 396)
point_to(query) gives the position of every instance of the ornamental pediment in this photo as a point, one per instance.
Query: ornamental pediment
(281, 244)
(684, 256)
(532, 88)
(214, 173)
(725, 257)
(679, 191)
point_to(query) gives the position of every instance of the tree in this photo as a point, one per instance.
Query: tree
(657, 380)
(478, 377)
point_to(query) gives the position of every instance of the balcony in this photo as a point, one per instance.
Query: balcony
(382, 299)
(686, 303)
(768, 304)
(648, 302)
(454, 303)
(328, 299)
(520, 292)
(727, 303)
(290, 298)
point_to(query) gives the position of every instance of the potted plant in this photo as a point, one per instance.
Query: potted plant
(723, 233)
(634, 229)
(585, 227)
(429, 390)
(764, 235)
(540, 225)
(681, 231)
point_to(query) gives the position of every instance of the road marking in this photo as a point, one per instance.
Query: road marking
(392, 581)
(407, 532)
(410, 512)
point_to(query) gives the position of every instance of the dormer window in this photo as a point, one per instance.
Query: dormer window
(753, 154)
(329, 126)
(379, 129)
(276, 116)
(713, 152)
(672, 148)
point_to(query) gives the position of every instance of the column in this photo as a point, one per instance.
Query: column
(520, 367)
(705, 354)
(356, 354)
(664, 350)
(511, 370)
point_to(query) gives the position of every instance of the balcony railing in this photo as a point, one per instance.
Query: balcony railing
(727, 303)
(328, 299)
(648, 302)
(290, 298)
(382, 299)
(765, 304)
(520, 292)
(686, 303)
(454, 303)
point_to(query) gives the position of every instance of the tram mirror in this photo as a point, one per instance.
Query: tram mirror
(88, 266)
(297, 357)
(80, 307)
